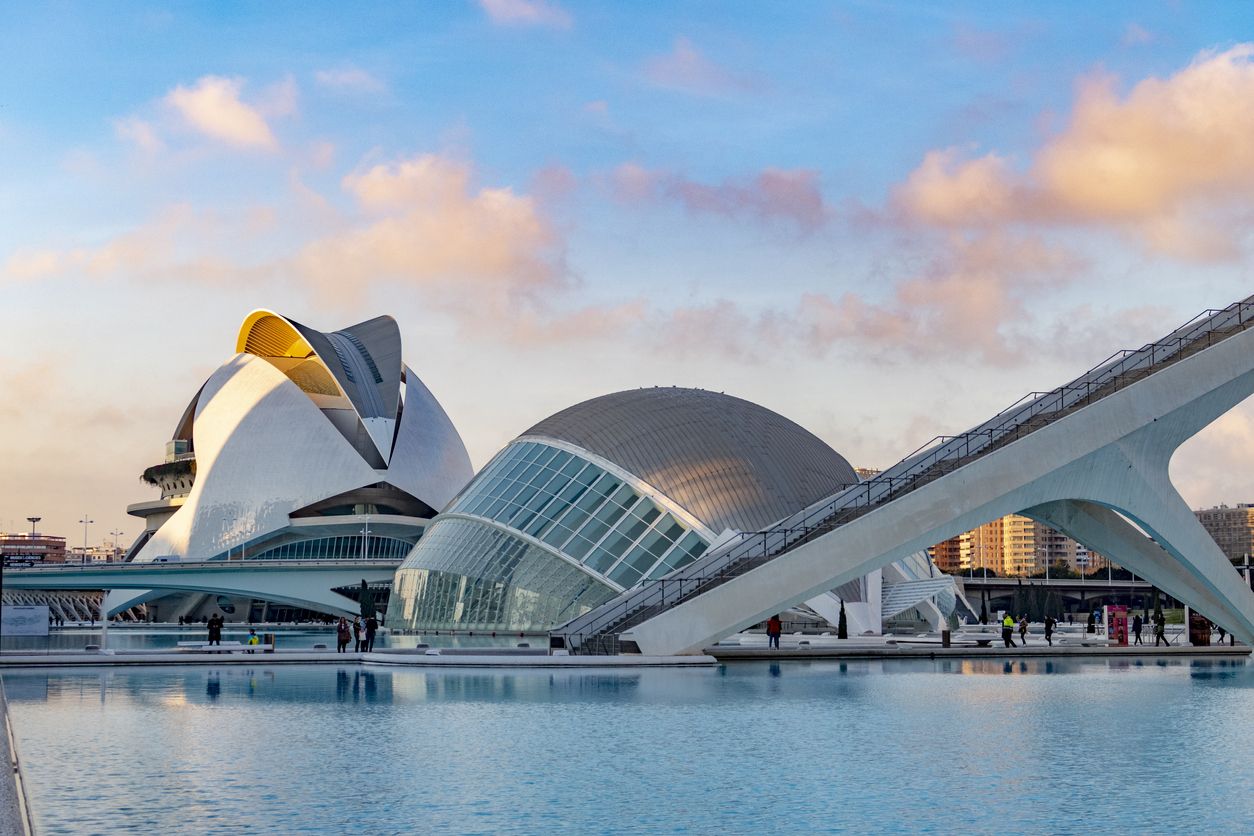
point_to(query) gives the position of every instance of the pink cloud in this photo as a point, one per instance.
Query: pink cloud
(526, 13)
(213, 108)
(687, 69)
(1172, 162)
(793, 196)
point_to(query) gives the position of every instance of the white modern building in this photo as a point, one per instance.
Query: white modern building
(620, 491)
(302, 445)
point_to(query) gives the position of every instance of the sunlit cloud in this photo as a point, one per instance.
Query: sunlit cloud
(212, 107)
(349, 79)
(1168, 162)
(792, 196)
(1136, 35)
(686, 68)
(139, 132)
(526, 13)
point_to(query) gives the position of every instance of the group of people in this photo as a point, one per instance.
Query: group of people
(55, 620)
(1008, 625)
(360, 633)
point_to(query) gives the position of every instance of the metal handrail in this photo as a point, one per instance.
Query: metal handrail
(215, 565)
(915, 470)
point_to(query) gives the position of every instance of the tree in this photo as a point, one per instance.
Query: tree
(366, 600)
(984, 606)
(842, 625)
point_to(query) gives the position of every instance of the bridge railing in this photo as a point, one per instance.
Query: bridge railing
(199, 565)
(940, 456)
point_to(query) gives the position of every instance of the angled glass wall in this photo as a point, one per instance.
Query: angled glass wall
(581, 510)
(540, 536)
(478, 577)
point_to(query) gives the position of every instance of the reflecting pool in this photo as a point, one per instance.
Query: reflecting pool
(305, 637)
(947, 746)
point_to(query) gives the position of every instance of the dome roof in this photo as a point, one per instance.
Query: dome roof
(729, 462)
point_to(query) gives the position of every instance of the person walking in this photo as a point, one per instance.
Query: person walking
(1049, 629)
(1222, 633)
(357, 642)
(1137, 624)
(1160, 631)
(372, 627)
(773, 628)
(1008, 630)
(1023, 630)
(215, 629)
(253, 641)
(342, 634)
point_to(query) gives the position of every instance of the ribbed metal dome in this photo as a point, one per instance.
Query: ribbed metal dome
(729, 462)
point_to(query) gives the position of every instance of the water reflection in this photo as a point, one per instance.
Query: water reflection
(466, 750)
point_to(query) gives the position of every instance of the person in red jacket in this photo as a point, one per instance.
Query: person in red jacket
(773, 628)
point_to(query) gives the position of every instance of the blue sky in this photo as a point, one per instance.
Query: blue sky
(885, 221)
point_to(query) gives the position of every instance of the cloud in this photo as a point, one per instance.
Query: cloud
(1136, 35)
(212, 106)
(1170, 162)
(349, 79)
(970, 300)
(427, 224)
(141, 133)
(1214, 465)
(686, 69)
(526, 13)
(553, 183)
(793, 196)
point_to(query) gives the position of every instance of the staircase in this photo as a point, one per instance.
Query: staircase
(598, 631)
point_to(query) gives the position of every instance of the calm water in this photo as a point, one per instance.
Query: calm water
(165, 637)
(945, 746)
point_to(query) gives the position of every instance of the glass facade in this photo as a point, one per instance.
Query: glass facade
(474, 576)
(330, 548)
(467, 574)
(582, 511)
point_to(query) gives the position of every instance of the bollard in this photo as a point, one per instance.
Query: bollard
(944, 638)
(268, 639)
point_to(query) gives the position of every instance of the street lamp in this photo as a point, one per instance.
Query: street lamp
(85, 522)
(32, 521)
(117, 551)
(365, 540)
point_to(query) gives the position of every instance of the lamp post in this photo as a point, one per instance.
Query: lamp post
(365, 540)
(85, 522)
(117, 551)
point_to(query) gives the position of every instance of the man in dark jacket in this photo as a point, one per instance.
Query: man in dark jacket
(215, 629)
(372, 627)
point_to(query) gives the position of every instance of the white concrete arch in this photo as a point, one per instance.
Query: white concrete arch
(1110, 454)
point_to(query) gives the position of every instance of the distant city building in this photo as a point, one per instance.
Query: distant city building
(1013, 545)
(32, 548)
(95, 554)
(867, 472)
(1231, 528)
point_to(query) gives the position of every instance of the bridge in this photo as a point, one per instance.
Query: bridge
(1088, 458)
(309, 584)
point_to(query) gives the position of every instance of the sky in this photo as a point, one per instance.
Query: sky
(885, 221)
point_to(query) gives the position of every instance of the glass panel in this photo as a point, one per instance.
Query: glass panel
(601, 559)
(646, 511)
(625, 574)
(547, 454)
(577, 547)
